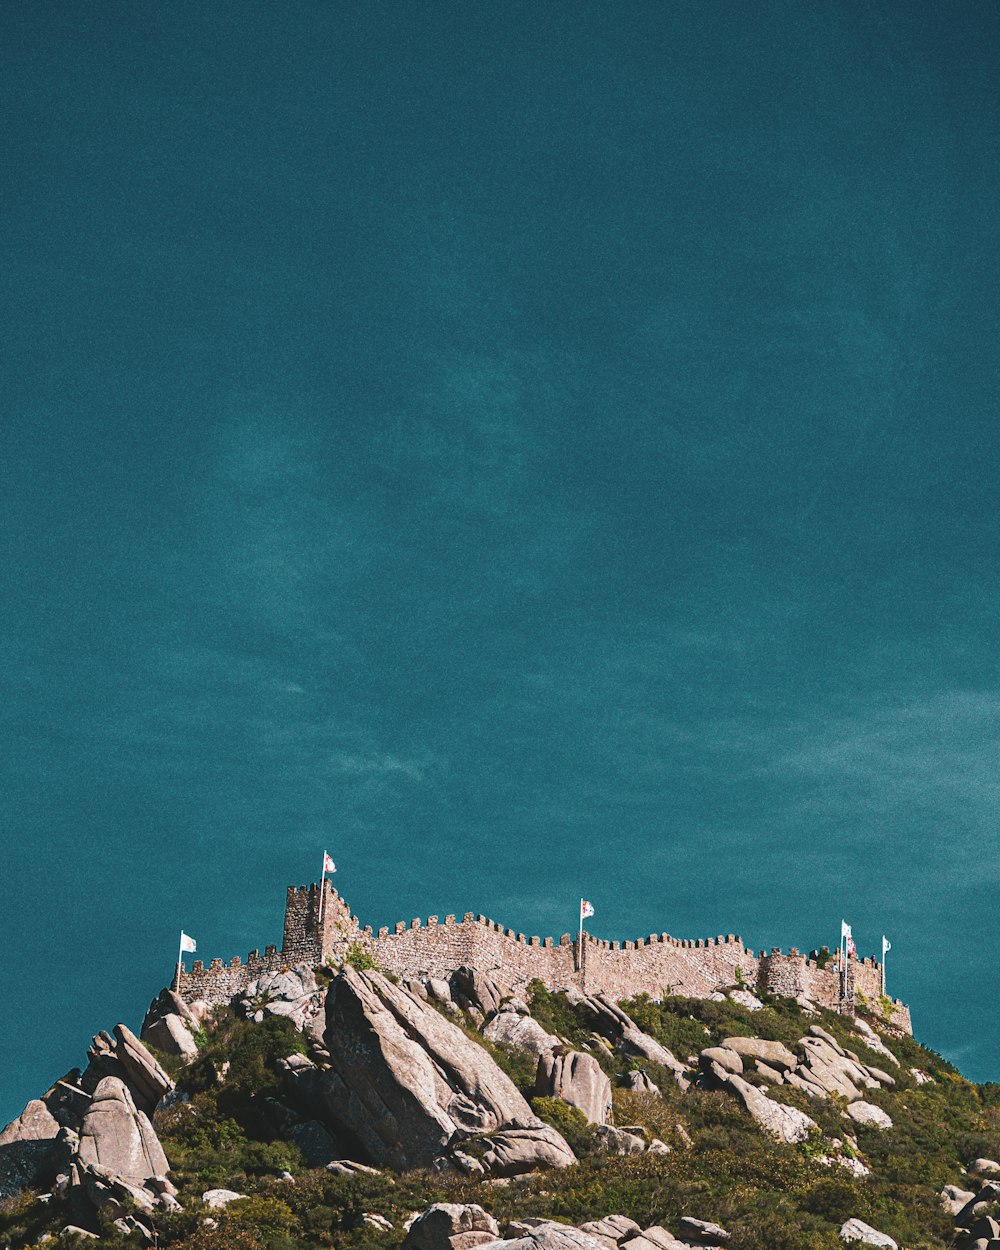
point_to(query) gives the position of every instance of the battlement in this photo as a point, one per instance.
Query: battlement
(319, 927)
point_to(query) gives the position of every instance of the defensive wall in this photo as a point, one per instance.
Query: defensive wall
(319, 925)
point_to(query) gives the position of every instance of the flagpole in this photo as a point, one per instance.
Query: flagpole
(843, 962)
(580, 957)
(885, 951)
(180, 960)
(322, 900)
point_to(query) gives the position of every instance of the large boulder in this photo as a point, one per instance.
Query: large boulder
(551, 1236)
(655, 1238)
(774, 1054)
(513, 1029)
(474, 991)
(146, 1078)
(124, 1057)
(578, 1079)
(786, 1124)
(514, 1151)
(404, 1083)
(639, 1083)
(32, 1149)
(727, 1059)
(619, 1141)
(618, 1027)
(613, 1228)
(171, 1035)
(867, 1113)
(872, 1040)
(118, 1137)
(290, 992)
(954, 1199)
(35, 1123)
(833, 1070)
(857, 1231)
(170, 1024)
(702, 1230)
(439, 1226)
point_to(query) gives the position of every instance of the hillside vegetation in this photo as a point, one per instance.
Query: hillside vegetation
(226, 1126)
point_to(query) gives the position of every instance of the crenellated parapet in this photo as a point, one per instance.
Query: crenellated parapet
(319, 927)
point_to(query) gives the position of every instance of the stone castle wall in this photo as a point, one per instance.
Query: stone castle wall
(795, 973)
(320, 925)
(655, 965)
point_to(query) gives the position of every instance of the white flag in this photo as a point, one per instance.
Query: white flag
(328, 864)
(188, 943)
(845, 929)
(586, 909)
(886, 946)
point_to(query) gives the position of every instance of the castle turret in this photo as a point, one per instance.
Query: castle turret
(318, 923)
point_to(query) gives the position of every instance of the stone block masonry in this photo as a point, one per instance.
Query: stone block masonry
(319, 926)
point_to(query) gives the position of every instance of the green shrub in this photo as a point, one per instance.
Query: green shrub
(360, 958)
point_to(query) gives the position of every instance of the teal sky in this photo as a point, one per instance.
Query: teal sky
(532, 450)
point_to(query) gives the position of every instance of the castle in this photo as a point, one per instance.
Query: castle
(319, 926)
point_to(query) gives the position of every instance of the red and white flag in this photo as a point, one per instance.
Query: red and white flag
(328, 864)
(188, 943)
(586, 909)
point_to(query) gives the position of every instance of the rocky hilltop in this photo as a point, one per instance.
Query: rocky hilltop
(337, 1104)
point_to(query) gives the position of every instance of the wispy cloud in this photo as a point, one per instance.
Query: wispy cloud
(378, 766)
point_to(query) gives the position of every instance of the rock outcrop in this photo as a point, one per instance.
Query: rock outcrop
(117, 1136)
(578, 1079)
(406, 1085)
(170, 1025)
(786, 1124)
(621, 1030)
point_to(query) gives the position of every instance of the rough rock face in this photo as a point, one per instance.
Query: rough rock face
(701, 1230)
(35, 1123)
(578, 1079)
(872, 1040)
(116, 1136)
(405, 1083)
(513, 1029)
(978, 1217)
(954, 1199)
(613, 1228)
(727, 1059)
